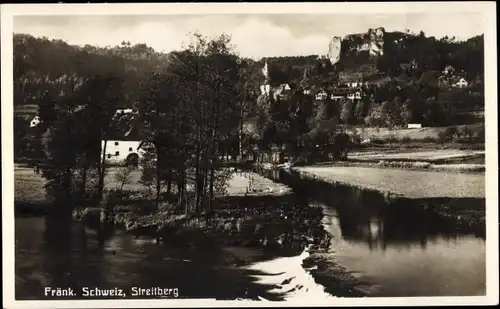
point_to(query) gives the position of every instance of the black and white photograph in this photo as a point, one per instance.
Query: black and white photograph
(265, 154)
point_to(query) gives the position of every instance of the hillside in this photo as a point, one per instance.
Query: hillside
(377, 54)
(45, 66)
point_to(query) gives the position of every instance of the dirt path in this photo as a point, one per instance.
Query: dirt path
(253, 184)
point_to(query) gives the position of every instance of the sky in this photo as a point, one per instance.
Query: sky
(254, 35)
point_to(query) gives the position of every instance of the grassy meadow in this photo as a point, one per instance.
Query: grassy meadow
(417, 135)
(404, 183)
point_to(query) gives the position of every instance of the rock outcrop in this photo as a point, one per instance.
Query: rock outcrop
(367, 45)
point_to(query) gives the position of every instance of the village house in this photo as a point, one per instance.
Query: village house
(339, 93)
(321, 95)
(355, 84)
(265, 89)
(281, 91)
(35, 121)
(460, 83)
(414, 126)
(354, 95)
(123, 144)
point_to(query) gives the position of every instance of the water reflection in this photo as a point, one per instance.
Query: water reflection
(399, 248)
(49, 253)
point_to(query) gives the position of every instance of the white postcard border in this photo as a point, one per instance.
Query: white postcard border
(486, 8)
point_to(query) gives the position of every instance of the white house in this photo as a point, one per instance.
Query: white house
(355, 84)
(285, 87)
(120, 151)
(35, 121)
(354, 96)
(461, 83)
(265, 89)
(125, 111)
(337, 97)
(321, 95)
(414, 126)
(123, 144)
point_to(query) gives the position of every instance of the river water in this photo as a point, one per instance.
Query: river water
(392, 252)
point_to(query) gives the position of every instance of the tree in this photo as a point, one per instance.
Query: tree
(123, 176)
(359, 110)
(407, 111)
(346, 114)
(305, 83)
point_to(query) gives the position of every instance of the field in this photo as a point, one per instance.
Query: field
(437, 155)
(27, 110)
(29, 186)
(406, 183)
(422, 134)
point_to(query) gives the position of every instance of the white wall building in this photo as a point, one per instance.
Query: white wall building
(462, 83)
(118, 152)
(35, 121)
(265, 89)
(321, 95)
(414, 126)
(354, 96)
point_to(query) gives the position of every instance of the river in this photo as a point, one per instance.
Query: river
(391, 251)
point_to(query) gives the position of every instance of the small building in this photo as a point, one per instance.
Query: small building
(265, 89)
(414, 126)
(123, 144)
(120, 151)
(35, 121)
(355, 84)
(461, 83)
(321, 95)
(282, 91)
(354, 95)
(285, 87)
(337, 97)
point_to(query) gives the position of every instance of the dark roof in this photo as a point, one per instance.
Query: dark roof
(124, 127)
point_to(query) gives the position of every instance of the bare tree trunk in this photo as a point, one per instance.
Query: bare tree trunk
(240, 133)
(102, 170)
(214, 148)
(158, 178)
(169, 184)
(83, 187)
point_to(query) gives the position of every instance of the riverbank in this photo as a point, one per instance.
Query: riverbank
(401, 183)
(456, 200)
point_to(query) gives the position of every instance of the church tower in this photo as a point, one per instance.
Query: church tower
(265, 88)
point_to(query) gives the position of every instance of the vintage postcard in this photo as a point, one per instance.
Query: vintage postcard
(284, 154)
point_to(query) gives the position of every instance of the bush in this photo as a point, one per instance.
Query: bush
(377, 141)
(406, 139)
(429, 139)
(448, 135)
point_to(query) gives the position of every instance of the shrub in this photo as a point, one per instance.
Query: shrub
(377, 141)
(448, 135)
(406, 139)
(429, 139)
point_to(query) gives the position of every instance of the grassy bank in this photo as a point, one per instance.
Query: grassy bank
(402, 183)
(454, 202)
(255, 211)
